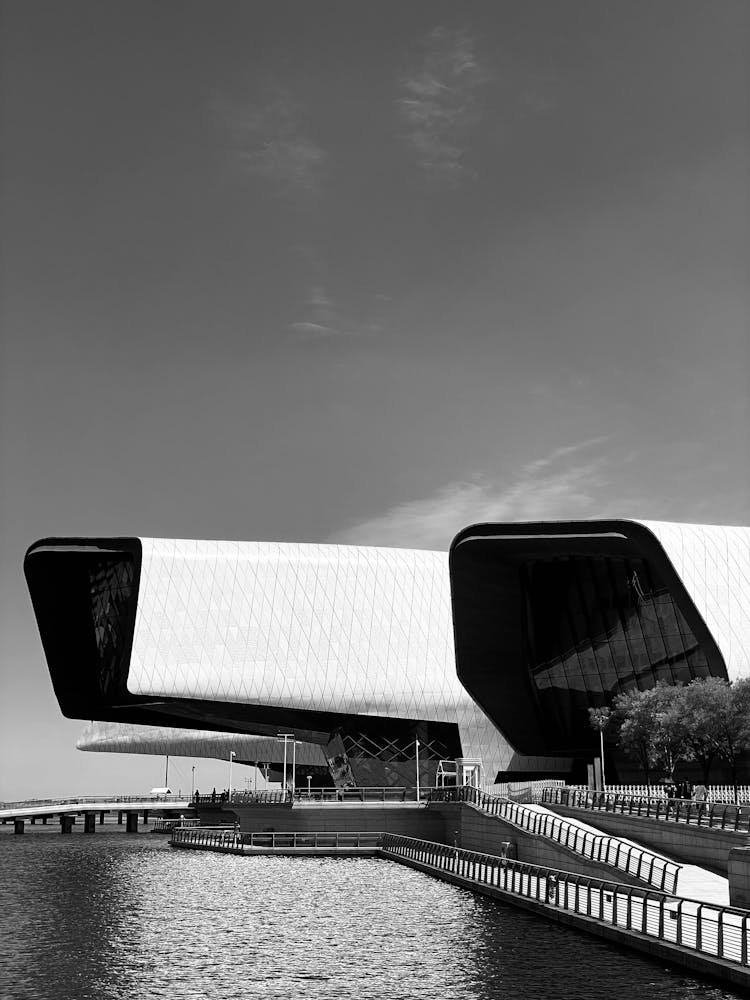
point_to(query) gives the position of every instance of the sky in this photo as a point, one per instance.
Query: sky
(363, 273)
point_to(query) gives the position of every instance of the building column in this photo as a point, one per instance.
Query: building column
(33, 820)
(101, 818)
(18, 826)
(145, 815)
(119, 817)
(131, 825)
(44, 820)
(66, 823)
(89, 823)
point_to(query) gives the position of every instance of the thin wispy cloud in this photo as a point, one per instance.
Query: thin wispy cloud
(549, 488)
(270, 141)
(439, 104)
(323, 321)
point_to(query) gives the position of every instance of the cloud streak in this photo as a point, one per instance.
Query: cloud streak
(271, 143)
(549, 488)
(439, 105)
(323, 321)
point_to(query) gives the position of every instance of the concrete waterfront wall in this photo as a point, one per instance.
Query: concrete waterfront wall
(739, 877)
(696, 845)
(479, 832)
(441, 823)
(407, 820)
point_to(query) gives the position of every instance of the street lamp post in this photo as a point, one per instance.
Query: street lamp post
(309, 782)
(416, 742)
(192, 783)
(232, 755)
(285, 737)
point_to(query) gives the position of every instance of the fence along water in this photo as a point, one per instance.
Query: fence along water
(719, 932)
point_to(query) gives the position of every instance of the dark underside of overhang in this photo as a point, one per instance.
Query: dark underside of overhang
(494, 628)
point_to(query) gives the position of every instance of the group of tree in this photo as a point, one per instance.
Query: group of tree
(701, 722)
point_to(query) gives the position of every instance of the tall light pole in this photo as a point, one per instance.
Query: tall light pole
(232, 755)
(294, 764)
(192, 784)
(166, 773)
(285, 737)
(416, 743)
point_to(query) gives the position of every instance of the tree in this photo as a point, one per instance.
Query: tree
(703, 705)
(652, 728)
(599, 719)
(670, 732)
(634, 711)
(733, 727)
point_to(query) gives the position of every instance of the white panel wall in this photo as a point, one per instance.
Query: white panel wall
(713, 562)
(336, 628)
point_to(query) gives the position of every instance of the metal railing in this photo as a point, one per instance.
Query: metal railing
(207, 836)
(229, 837)
(717, 931)
(85, 799)
(714, 793)
(597, 848)
(721, 816)
(396, 793)
(242, 797)
(162, 825)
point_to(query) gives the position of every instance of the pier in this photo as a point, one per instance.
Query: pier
(93, 808)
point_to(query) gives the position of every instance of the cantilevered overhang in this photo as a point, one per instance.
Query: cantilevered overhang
(494, 623)
(248, 637)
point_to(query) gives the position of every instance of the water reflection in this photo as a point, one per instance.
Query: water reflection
(117, 917)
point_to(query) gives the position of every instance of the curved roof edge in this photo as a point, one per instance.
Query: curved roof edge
(706, 566)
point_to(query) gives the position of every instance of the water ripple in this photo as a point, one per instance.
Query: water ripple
(116, 917)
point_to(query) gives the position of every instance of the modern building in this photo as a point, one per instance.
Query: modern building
(357, 651)
(552, 618)
(350, 648)
(269, 754)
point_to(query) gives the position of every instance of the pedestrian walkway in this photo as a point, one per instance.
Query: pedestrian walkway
(620, 853)
(693, 882)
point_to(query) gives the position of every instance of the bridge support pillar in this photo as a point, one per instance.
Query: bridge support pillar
(101, 818)
(132, 822)
(66, 824)
(145, 815)
(89, 822)
(18, 826)
(33, 820)
(119, 817)
(44, 820)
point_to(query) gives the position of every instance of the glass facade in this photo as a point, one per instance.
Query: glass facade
(596, 626)
(113, 595)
